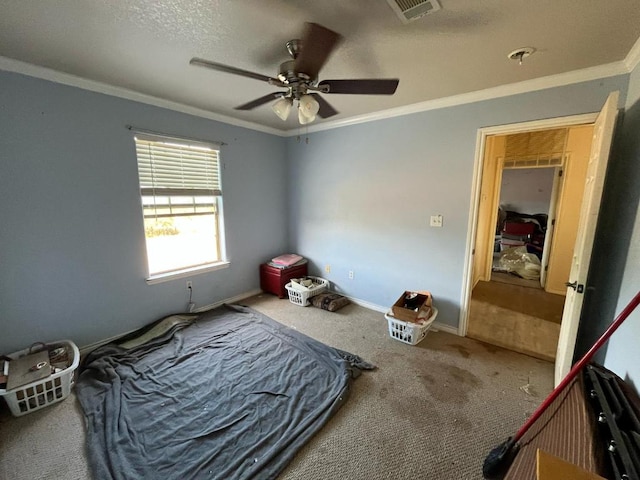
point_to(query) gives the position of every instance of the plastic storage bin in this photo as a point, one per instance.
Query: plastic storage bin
(300, 296)
(408, 332)
(54, 388)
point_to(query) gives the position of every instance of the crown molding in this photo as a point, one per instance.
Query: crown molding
(633, 57)
(536, 84)
(16, 66)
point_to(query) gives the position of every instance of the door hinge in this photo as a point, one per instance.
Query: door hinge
(553, 222)
(560, 173)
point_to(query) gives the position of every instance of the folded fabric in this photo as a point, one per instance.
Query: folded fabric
(287, 259)
(329, 301)
(277, 265)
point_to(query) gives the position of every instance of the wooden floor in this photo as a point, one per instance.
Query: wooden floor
(520, 318)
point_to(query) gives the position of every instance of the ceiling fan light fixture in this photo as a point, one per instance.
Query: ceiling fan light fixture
(308, 106)
(282, 108)
(303, 119)
(300, 75)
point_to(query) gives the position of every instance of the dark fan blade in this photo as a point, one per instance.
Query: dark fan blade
(326, 110)
(260, 101)
(373, 86)
(317, 44)
(226, 68)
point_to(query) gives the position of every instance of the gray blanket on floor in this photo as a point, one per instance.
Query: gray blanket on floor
(232, 396)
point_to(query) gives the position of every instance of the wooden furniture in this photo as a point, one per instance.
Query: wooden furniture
(273, 280)
(589, 426)
(550, 467)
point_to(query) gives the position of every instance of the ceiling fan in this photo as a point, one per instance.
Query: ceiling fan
(300, 78)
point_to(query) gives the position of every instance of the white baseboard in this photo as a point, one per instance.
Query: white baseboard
(92, 346)
(369, 305)
(87, 348)
(363, 303)
(235, 299)
(443, 327)
(437, 326)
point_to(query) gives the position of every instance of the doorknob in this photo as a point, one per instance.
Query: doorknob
(578, 287)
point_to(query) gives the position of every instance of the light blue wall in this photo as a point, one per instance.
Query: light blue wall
(72, 253)
(623, 354)
(361, 195)
(359, 198)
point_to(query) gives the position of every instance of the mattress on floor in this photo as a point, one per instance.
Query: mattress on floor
(232, 395)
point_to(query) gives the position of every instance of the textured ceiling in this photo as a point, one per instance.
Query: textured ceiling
(145, 45)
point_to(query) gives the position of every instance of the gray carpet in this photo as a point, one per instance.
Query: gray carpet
(430, 411)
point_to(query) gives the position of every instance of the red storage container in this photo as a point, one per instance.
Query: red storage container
(518, 228)
(273, 280)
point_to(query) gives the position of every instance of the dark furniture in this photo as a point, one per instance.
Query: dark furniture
(594, 424)
(273, 280)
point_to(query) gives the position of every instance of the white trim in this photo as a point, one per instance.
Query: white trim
(369, 305)
(436, 326)
(92, 346)
(235, 299)
(88, 348)
(465, 294)
(184, 273)
(472, 224)
(546, 123)
(37, 71)
(558, 80)
(442, 327)
(542, 83)
(633, 57)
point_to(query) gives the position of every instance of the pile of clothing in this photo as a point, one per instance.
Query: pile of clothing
(287, 260)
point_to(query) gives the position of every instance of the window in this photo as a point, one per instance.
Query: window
(181, 204)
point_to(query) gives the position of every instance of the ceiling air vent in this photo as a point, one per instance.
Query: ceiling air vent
(410, 10)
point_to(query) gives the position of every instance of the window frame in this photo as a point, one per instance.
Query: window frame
(215, 192)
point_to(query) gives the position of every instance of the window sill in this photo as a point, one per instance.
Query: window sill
(187, 272)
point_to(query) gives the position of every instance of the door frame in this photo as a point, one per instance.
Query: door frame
(549, 232)
(483, 133)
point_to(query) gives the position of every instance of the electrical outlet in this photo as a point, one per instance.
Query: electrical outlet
(350, 274)
(189, 284)
(327, 268)
(436, 221)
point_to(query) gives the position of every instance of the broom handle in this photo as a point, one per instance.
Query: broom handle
(578, 366)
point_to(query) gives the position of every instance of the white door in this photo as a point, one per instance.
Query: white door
(602, 135)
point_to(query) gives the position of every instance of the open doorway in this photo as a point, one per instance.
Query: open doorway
(523, 235)
(531, 192)
(602, 125)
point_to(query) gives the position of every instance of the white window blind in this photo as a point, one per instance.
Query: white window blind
(175, 167)
(177, 178)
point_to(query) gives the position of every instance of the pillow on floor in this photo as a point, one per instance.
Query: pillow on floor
(329, 301)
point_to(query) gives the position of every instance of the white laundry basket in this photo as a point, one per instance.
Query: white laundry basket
(408, 332)
(300, 295)
(54, 388)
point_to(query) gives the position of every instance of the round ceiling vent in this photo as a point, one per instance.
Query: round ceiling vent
(521, 53)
